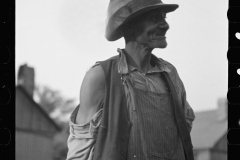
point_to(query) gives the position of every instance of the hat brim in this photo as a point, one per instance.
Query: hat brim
(163, 7)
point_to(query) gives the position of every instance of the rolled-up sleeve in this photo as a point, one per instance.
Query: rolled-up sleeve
(82, 137)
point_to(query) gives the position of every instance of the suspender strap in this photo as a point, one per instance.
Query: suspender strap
(180, 120)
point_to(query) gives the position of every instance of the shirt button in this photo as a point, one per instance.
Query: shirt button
(134, 156)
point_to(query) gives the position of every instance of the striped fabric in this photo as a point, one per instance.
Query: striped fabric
(154, 133)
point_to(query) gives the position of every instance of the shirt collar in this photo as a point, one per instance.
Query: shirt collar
(124, 68)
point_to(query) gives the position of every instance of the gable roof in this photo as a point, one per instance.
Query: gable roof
(207, 129)
(38, 107)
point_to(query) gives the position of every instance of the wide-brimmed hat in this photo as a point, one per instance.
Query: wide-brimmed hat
(122, 11)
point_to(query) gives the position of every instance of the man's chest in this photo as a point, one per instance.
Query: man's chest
(153, 82)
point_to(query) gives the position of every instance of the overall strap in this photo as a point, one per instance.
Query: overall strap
(180, 120)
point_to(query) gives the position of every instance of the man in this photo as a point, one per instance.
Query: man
(133, 106)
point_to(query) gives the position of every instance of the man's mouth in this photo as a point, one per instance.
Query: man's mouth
(157, 36)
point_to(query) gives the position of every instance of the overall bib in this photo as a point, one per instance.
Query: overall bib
(154, 134)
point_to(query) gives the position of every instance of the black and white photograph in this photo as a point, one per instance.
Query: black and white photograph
(121, 80)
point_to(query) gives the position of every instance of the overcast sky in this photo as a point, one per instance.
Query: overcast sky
(61, 39)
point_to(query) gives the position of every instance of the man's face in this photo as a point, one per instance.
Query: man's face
(153, 28)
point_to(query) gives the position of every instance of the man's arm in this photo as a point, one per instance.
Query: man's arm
(188, 111)
(86, 118)
(181, 92)
(91, 94)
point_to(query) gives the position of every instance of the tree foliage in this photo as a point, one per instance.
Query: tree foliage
(59, 109)
(48, 98)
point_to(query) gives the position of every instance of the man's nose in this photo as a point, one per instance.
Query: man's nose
(163, 25)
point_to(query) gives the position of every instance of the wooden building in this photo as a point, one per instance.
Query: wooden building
(34, 128)
(209, 134)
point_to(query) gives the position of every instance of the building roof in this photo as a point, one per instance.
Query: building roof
(207, 129)
(38, 107)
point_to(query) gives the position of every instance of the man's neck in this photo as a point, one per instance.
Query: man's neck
(138, 56)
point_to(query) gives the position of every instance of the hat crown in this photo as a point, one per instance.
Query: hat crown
(115, 5)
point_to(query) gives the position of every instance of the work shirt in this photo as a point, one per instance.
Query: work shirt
(83, 136)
